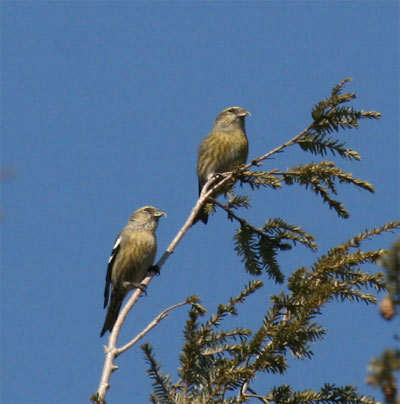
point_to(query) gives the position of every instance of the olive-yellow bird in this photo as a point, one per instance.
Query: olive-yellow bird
(132, 256)
(224, 148)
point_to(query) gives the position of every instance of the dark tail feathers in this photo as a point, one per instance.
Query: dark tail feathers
(112, 313)
(202, 215)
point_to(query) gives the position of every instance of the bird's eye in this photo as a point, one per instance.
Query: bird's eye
(231, 110)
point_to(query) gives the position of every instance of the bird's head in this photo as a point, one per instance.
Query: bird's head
(231, 117)
(147, 217)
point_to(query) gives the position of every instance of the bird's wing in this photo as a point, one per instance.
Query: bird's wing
(204, 152)
(111, 261)
(200, 185)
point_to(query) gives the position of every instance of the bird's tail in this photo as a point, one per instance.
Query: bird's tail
(112, 313)
(202, 215)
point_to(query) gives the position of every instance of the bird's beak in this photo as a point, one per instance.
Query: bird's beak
(160, 213)
(244, 112)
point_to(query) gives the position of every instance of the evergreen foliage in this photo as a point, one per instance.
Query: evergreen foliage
(218, 366)
(382, 369)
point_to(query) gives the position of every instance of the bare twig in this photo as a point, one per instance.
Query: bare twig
(242, 221)
(112, 351)
(244, 395)
(256, 162)
(261, 398)
(150, 326)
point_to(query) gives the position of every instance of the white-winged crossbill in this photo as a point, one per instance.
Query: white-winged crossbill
(132, 256)
(224, 148)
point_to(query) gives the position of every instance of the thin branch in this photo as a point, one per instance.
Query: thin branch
(243, 393)
(256, 162)
(262, 399)
(112, 351)
(242, 221)
(149, 327)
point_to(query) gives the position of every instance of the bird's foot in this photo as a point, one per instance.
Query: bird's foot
(135, 285)
(155, 269)
(216, 176)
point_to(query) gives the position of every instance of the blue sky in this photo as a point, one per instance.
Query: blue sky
(103, 106)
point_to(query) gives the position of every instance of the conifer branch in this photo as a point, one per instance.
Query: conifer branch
(162, 384)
